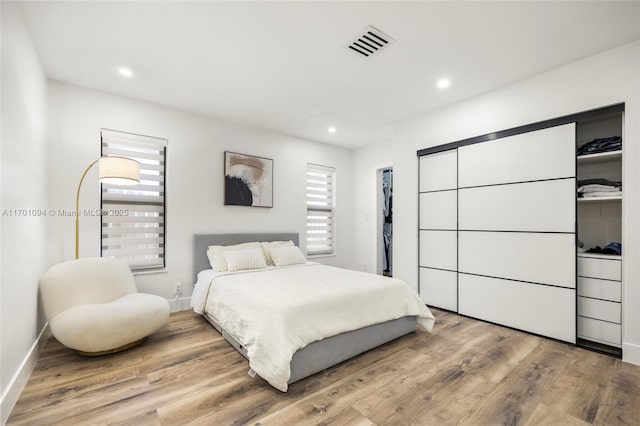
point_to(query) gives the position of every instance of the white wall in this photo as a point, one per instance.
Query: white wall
(607, 78)
(194, 178)
(365, 163)
(24, 186)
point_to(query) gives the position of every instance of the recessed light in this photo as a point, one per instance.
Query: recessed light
(125, 72)
(331, 129)
(443, 83)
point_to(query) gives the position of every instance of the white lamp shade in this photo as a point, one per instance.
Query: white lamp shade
(118, 171)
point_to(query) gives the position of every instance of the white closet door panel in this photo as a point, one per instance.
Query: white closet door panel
(600, 268)
(439, 288)
(599, 331)
(543, 154)
(439, 210)
(545, 310)
(538, 258)
(599, 309)
(600, 289)
(439, 249)
(439, 171)
(547, 206)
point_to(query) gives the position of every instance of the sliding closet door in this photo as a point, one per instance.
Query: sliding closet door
(516, 231)
(438, 225)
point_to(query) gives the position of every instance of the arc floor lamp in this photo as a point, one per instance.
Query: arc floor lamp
(111, 170)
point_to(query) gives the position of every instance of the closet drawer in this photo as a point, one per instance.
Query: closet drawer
(549, 311)
(439, 210)
(599, 331)
(599, 309)
(547, 206)
(439, 171)
(542, 154)
(534, 257)
(600, 289)
(439, 288)
(439, 249)
(600, 268)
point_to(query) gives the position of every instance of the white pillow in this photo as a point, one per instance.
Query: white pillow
(217, 260)
(240, 260)
(288, 255)
(267, 246)
(213, 259)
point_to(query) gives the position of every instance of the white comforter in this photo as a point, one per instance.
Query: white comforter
(277, 311)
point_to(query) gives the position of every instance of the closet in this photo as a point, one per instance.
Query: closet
(599, 283)
(386, 227)
(500, 221)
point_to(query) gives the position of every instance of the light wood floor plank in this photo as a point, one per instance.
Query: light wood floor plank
(544, 415)
(621, 401)
(580, 387)
(464, 372)
(332, 399)
(409, 396)
(517, 396)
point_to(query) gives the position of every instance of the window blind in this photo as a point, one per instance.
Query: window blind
(133, 219)
(320, 209)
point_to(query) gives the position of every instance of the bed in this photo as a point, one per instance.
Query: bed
(314, 331)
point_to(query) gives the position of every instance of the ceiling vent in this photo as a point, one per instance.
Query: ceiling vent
(370, 42)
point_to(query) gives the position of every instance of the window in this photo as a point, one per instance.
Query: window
(320, 209)
(133, 219)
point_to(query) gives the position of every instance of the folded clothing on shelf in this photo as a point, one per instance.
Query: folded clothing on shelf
(596, 146)
(599, 188)
(611, 248)
(599, 181)
(591, 188)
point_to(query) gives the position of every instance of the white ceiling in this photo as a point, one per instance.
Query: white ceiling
(284, 65)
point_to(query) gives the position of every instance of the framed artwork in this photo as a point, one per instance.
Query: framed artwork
(248, 180)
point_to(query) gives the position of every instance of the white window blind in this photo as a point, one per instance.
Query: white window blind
(133, 220)
(320, 209)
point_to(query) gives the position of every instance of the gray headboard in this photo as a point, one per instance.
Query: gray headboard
(202, 241)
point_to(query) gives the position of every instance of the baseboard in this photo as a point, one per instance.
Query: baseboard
(21, 377)
(631, 353)
(182, 304)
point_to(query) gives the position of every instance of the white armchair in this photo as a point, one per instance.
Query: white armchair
(93, 306)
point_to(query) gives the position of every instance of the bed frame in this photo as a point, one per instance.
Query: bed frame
(319, 355)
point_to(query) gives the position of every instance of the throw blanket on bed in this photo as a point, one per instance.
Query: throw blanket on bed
(277, 311)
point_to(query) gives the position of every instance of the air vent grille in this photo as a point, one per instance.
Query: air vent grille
(370, 42)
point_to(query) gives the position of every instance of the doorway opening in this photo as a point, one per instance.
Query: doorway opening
(385, 222)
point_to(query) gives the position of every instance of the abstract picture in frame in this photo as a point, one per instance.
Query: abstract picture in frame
(248, 180)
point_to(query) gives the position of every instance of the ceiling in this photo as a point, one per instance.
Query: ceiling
(284, 66)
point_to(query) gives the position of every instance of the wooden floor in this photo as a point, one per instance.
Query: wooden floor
(464, 372)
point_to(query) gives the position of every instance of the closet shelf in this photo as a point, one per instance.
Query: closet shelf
(600, 157)
(600, 256)
(596, 199)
